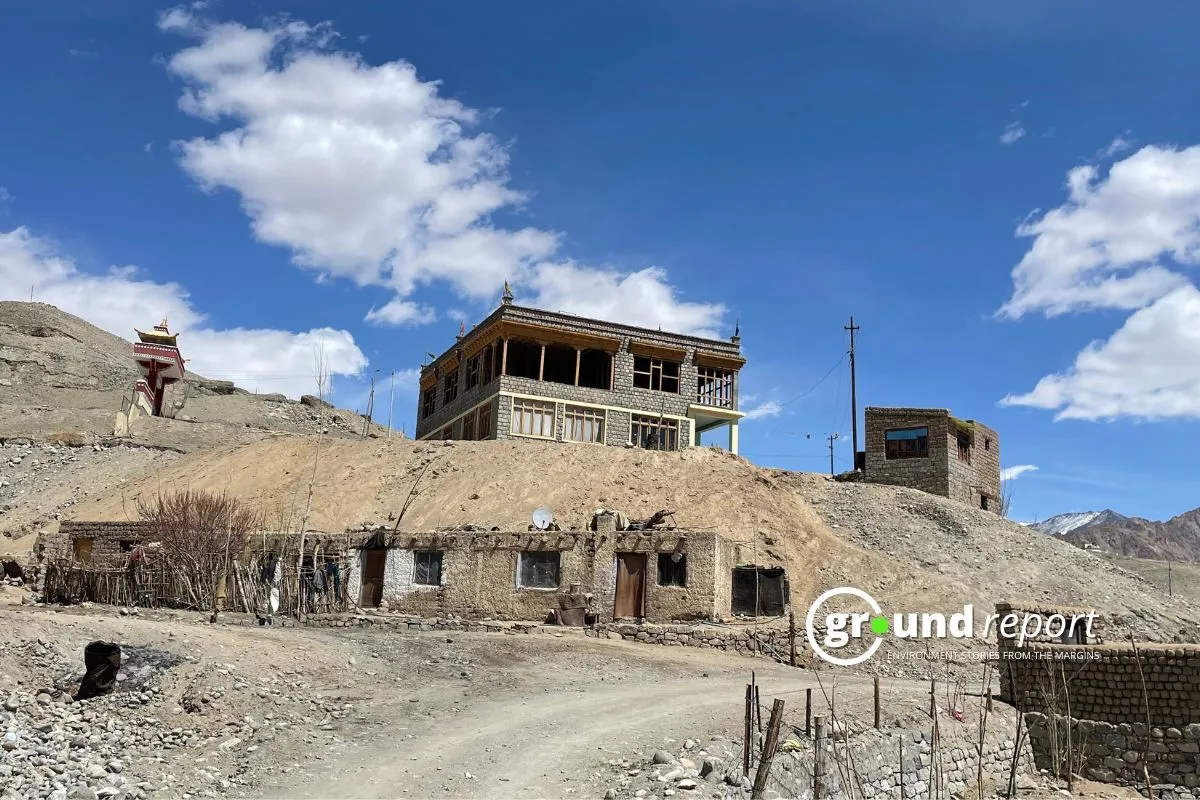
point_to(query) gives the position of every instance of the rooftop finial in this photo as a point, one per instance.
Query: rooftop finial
(162, 326)
(462, 329)
(737, 332)
(508, 295)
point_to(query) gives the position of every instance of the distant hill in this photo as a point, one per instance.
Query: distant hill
(1177, 539)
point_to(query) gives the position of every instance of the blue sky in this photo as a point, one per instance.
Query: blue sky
(275, 174)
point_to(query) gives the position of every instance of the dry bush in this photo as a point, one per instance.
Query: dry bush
(198, 530)
(67, 439)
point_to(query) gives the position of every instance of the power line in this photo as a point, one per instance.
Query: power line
(812, 388)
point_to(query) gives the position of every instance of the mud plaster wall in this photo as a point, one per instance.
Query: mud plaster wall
(479, 574)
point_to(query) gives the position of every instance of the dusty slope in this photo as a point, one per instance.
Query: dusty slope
(911, 550)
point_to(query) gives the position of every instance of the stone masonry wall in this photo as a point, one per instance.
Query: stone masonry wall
(980, 477)
(1119, 754)
(624, 395)
(106, 540)
(1105, 682)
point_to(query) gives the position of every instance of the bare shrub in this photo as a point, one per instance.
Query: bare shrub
(68, 439)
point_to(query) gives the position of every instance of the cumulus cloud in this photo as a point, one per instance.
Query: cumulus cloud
(1012, 473)
(1121, 241)
(770, 408)
(263, 359)
(367, 173)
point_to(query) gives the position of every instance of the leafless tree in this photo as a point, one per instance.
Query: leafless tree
(1006, 496)
(321, 376)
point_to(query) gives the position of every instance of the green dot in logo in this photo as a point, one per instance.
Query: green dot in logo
(879, 625)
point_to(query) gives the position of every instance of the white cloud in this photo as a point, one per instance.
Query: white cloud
(1013, 132)
(366, 173)
(5, 195)
(1117, 145)
(1012, 473)
(770, 408)
(1119, 242)
(266, 360)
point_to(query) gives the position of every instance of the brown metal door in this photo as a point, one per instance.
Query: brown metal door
(631, 586)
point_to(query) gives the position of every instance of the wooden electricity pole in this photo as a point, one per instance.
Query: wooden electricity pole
(853, 394)
(391, 401)
(833, 437)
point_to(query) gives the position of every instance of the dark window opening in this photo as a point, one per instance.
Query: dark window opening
(672, 569)
(538, 569)
(427, 567)
(987, 443)
(491, 362)
(906, 443)
(451, 387)
(595, 369)
(483, 426)
(472, 372)
(759, 592)
(983, 502)
(560, 364)
(656, 374)
(964, 447)
(127, 545)
(524, 359)
(448, 432)
(429, 402)
(468, 427)
(652, 433)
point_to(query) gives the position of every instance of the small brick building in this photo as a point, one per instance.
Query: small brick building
(931, 450)
(524, 372)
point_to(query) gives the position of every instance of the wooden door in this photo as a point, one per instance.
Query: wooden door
(630, 598)
(374, 562)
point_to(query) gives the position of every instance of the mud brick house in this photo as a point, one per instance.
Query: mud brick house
(654, 575)
(931, 450)
(527, 373)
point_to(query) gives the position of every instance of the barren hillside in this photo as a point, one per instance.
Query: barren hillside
(911, 550)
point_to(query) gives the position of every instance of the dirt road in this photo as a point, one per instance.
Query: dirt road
(551, 713)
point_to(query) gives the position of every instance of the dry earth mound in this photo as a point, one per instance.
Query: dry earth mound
(911, 550)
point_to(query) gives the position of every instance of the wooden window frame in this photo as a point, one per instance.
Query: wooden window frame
(654, 372)
(450, 387)
(668, 424)
(447, 432)
(524, 555)
(537, 408)
(898, 449)
(483, 421)
(581, 416)
(429, 402)
(675, 574)
(714, 387)
(468, 427)
(427, 556)
(964, 446)
(472, 372)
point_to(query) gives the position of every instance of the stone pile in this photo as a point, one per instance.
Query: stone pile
(687, 770)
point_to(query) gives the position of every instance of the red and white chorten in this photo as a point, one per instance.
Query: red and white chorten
(160, 363)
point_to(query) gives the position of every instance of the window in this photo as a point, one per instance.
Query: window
(472, 372)
(759, 592)
(468, 430)
(427, 567)
(584, 425)
(714, 387)
(429, 402)
(532, 418)
(83, 549)
(538, 569)
(652, 433)
(656, 374)
(127, 545)
(907, 443)
(451, 390)
(987, 443)
(964, 447)
(672, 572)
(490, 353)
(483, 426)
(448, 432)
(983, 502)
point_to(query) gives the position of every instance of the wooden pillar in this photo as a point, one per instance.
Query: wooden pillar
(578, 358)
(612, 372)
(542, 364)
(504, 358)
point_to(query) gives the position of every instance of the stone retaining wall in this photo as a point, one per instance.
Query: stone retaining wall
(1120, 753)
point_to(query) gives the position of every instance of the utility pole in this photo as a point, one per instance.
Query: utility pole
(833, 437)
(1170, 591)
(853, 393)
(391, 401)
(370, 406)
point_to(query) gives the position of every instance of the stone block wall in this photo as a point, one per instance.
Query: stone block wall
(106, 540)
(1119, 754)
(1105, 682)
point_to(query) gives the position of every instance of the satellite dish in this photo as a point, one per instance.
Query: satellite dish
(542, 517)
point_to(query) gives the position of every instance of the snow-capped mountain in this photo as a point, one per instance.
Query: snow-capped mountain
(1064, 523)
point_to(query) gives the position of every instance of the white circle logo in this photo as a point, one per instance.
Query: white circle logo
(810, 629)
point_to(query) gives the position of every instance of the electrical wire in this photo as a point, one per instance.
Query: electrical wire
(813, 388)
